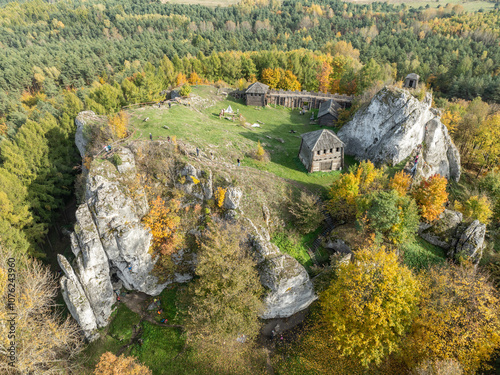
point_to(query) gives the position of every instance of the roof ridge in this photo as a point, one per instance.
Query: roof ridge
(317, 139)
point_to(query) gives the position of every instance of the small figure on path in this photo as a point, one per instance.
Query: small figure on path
(197, 152)
(164, 321)
(150, 136)
(160, 311)
(168, 139)
(238, 160)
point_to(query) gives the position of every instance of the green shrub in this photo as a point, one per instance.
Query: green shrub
(116, 160)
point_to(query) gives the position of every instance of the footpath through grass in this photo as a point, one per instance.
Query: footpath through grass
(200, 126)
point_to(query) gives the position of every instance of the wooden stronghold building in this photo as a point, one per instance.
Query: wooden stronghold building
(411, 81)
(328, 113)
(321, 150)
(259, 94)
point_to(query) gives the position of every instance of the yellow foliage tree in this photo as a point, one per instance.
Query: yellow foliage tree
(180, 79)
(260, 152)
(109, 364)
(400, 182)
(459, 318)
(370, 306)
(431, 196)
(220, 195)
(476, 208)
(195, 79)
(118, 125)
(163, 221)
(324, 77)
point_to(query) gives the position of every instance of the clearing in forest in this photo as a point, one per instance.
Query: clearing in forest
(199, 125)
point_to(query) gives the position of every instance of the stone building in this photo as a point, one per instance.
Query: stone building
(321, 150)
(256, 93)
(411, 80)
(328, 113)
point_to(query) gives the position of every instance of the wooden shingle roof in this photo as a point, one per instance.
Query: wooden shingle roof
(412, 76)
(321, 139)
(330, 106)
(257, 88)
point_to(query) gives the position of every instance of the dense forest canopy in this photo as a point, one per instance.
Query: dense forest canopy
(459, 53)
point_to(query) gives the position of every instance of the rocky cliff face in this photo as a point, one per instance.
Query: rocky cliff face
(109, 243)
(392, 127)
(461, 240)
(289, 288)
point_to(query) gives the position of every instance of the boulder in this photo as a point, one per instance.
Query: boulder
(289, 288)
(392, 126)
(471, 242)
(339, 246)
(232, 198)
(442, 232)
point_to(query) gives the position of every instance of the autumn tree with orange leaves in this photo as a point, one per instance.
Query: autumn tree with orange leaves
(163, 221)
(324, 77)
(431, 197)
(400, 182)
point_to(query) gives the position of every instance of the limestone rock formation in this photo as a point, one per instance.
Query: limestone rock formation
(76, 300)
(290, 289)
(392, 127)
(442, 232)
(232, 198)
(82, 121)
(109, 242)
(471, 242)
(458, 238)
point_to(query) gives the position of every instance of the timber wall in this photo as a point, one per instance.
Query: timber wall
(294, 99)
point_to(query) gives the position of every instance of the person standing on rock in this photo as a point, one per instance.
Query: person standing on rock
(197, 152)
(238, 160)
(150, 136)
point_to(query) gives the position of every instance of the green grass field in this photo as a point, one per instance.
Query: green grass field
(200, 126)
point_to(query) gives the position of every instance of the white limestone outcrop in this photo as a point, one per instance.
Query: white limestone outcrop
(109, 241)
(392, 126)
(289, 288)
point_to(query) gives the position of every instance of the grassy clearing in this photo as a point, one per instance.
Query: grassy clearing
(160, 350)
(112, 338)
(121, 326)
(200, 126)
(289, 243)
(420, 254)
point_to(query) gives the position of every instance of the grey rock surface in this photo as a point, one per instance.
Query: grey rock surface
(289, 288)
(109, 240)
(76, 300)
(471, 242)
(232, 198)
(80, 138)
(338, 245)
(391, 127)
(442, 232)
